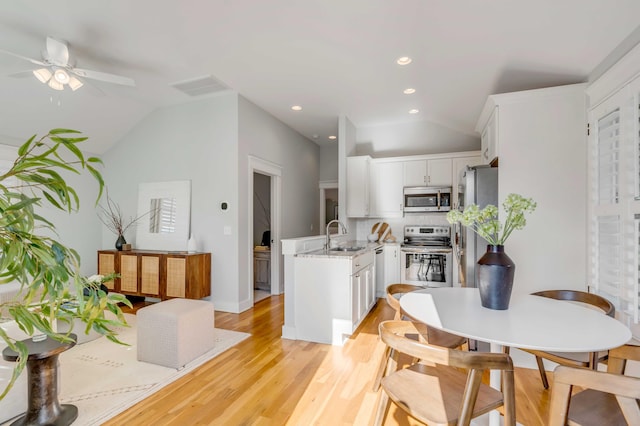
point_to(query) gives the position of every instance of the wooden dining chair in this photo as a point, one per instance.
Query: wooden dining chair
(436, 390)
(581, 359)
(431, 335)
(608, 399)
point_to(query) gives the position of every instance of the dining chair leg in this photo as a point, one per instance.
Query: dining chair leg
(382, 368)
(384, 402)
(543, 373)
(593, 360)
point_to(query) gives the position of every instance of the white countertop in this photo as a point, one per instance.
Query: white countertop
(366, 246)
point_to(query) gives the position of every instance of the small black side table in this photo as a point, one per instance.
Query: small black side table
(42, 368)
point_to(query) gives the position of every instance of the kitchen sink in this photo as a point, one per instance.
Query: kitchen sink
(346, 248)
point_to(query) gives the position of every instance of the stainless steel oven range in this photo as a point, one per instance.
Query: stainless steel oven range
(426, 256)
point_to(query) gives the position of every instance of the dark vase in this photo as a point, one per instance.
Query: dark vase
(119, 242)
(495, 278)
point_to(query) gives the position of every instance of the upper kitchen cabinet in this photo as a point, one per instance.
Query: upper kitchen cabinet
(489, 136)
(435, 172)
(358, 177)
(386, 192)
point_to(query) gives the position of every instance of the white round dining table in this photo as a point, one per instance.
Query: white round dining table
(531, 322)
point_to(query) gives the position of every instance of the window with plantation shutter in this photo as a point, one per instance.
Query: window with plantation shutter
(162, 218)
(608, 145)
(608, 270)
(614, 202)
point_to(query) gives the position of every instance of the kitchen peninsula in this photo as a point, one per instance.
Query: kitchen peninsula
(329, 292)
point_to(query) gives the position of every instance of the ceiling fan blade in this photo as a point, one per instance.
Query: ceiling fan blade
(33, 61)
(91, 88)
(103, 76)
(58, 52)
(21, 74)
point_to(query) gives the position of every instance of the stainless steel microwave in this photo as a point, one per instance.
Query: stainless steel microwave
(427, 199)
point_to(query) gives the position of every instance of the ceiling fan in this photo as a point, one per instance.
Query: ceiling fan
(59, 71)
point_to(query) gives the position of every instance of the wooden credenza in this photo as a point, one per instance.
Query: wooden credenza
(157, 273)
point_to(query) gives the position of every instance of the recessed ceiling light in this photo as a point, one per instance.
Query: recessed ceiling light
(414, 111)
(409, 91)
(296, 108)
(333, 137)
(404, 60)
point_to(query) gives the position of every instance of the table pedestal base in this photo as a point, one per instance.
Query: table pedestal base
(43, 406)
(42, 377)
(66, 416)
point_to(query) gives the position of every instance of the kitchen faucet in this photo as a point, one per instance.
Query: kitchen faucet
(344, 231)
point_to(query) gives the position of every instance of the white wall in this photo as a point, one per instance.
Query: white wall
(263, 136)
(412, 138)
(542, 143)
(346, 148)
(196, 141)
(329, 162)
(7, 140)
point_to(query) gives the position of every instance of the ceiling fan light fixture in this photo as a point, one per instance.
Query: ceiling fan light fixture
(74, 83)
(61, 76)
(42, 74)
(55, 85)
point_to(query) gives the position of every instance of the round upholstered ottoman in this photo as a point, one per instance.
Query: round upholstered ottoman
(174, 332)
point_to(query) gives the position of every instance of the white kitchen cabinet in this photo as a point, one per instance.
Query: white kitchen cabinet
(370, 277)
(387, 183)
(358, 177)
(333, 294)
(434, 172)
(363, 293)
(489, 138)
(391, 268)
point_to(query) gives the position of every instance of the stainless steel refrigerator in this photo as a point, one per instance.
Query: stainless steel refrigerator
(479, 186)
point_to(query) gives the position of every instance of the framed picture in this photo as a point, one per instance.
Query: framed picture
(165, 208)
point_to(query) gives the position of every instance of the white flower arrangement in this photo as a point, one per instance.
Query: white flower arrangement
(485, 222)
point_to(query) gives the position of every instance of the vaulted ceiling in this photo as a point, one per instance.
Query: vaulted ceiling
(331, 57)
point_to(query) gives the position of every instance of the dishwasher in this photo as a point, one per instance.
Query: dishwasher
(379, 261)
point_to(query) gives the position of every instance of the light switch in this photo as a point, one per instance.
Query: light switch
(227, 230)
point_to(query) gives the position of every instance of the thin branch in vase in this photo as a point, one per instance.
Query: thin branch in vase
(111, 216)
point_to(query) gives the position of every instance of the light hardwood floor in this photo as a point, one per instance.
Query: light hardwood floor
(267, 380)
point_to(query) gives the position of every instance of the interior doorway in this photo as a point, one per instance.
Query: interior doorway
(261, 236)
(328, 203)
(264, 253)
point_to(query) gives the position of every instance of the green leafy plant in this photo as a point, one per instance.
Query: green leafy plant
(51, 284)
(485, 221)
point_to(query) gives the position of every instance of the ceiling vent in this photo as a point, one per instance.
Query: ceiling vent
(200, 86)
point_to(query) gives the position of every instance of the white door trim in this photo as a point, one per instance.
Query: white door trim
(274, 171)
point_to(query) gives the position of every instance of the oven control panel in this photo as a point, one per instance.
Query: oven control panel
(426, 231)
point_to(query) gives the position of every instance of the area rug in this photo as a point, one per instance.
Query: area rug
(103, 379)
